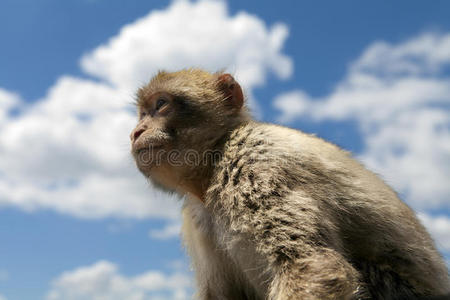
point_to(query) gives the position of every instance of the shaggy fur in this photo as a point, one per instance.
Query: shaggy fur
(286, 215)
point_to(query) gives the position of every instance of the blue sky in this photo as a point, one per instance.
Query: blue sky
(77, 221)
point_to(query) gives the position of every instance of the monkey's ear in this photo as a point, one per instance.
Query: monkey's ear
(232, 90)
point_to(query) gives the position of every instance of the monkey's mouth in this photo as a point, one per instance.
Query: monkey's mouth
(149, 148)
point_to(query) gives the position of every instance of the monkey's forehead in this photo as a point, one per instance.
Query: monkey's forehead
(184, 77)
(191, 83)
(190, 73)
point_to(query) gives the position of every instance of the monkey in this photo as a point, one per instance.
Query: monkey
(272, 212)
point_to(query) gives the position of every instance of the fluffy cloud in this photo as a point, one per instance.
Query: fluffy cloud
(427, 53)
(69, 152)
(171, 230)
(2, 297)
(8, 101)
(399, 96)
(439, 227)
(102, 280)
(200, 34)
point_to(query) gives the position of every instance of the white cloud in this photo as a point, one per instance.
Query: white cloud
(200, 34)
(69, 152)
(103, 280)
(171, 230)
(2, 297)
(8, 101)
(399, 96)
(292, 104)
(427, 53)
(439, 227)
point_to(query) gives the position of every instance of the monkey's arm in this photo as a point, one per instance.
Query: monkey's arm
(201, 247)
(216, 276)
(323, 274)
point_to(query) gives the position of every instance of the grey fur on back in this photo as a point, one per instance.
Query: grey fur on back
(306, 211)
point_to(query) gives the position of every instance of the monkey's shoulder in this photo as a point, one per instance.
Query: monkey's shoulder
(265, 160)
(261, 159)
(267, 143)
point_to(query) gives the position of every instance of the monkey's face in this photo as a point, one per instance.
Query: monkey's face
(182, 119)
(152, 135)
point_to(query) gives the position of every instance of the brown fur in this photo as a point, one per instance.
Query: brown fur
(283, 214)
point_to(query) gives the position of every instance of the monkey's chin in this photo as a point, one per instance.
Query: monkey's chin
(160, 186)
(146, 168)
(147, 157)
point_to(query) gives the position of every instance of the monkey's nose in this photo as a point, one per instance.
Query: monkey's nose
(137, 133)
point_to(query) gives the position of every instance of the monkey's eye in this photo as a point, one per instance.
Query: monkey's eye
(160, 103)
(142, 114)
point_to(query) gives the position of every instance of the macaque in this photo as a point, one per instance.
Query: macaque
(271, 212)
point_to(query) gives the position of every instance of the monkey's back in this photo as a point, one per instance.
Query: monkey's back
(287, 186)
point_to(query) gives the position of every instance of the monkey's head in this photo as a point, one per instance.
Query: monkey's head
(182, 116)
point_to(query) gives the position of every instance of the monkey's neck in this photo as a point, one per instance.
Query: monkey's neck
(183, 180)
(194, 176)
(197, 179)
(197, 188)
